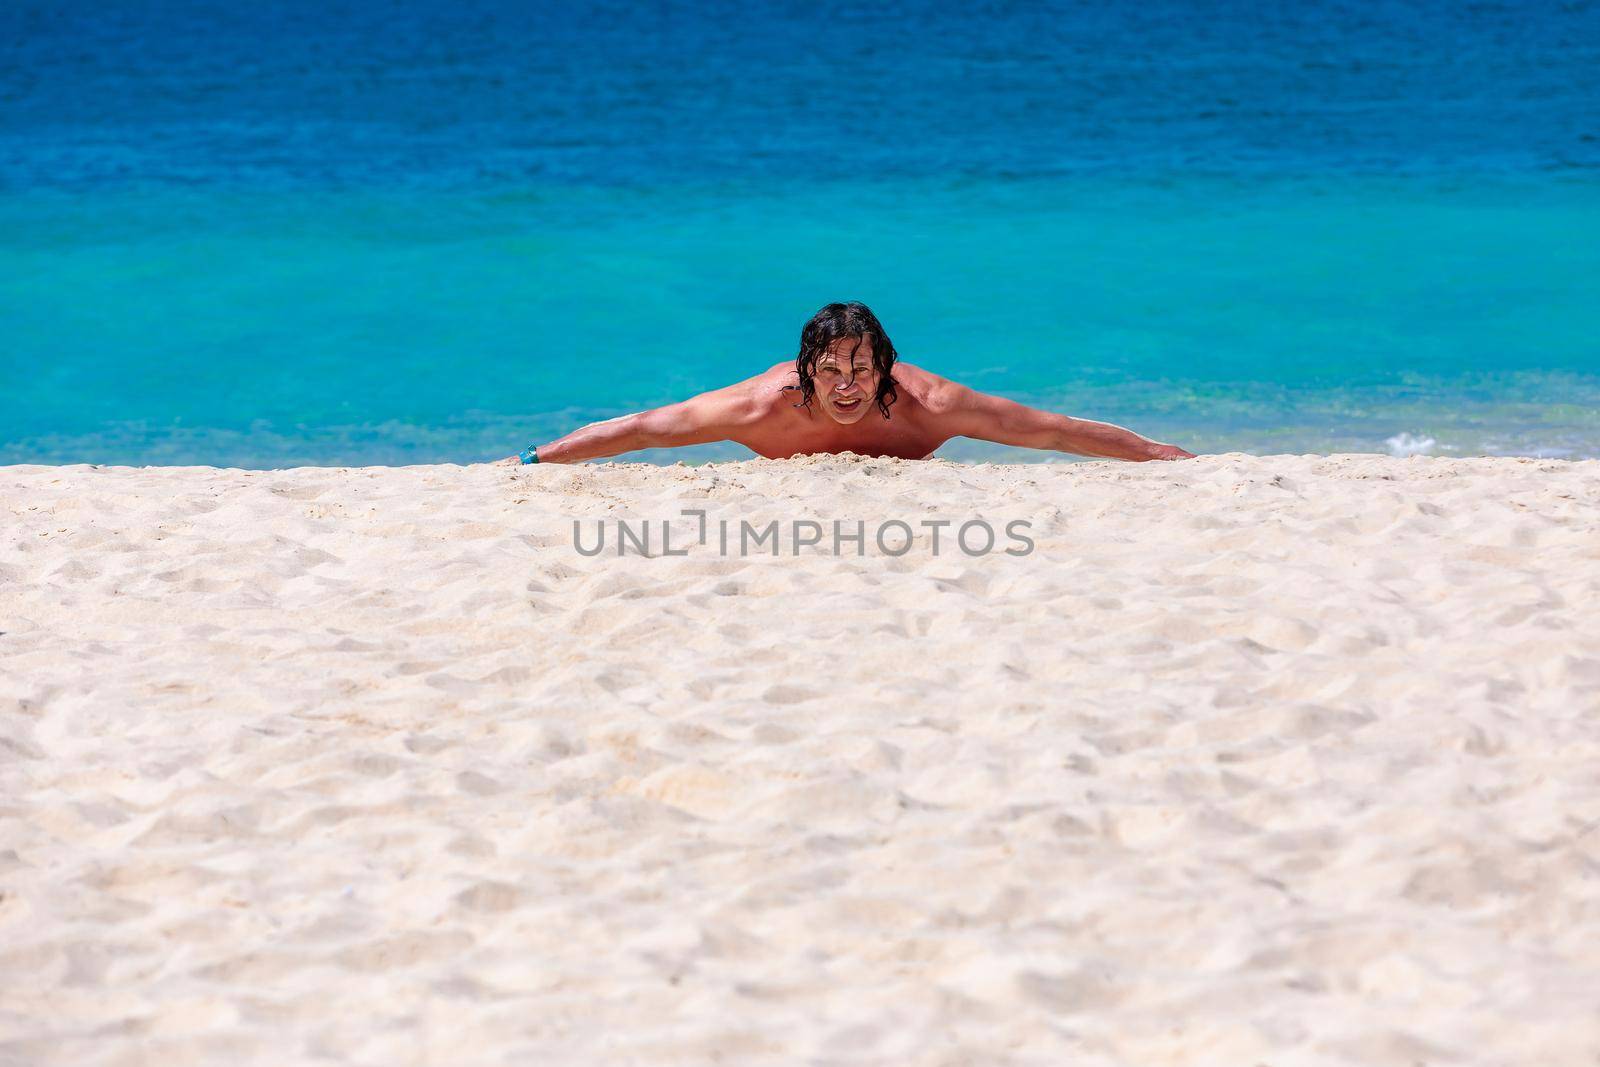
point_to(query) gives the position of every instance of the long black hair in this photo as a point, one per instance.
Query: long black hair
(852, 320)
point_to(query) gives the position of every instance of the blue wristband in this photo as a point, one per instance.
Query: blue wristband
(529, 454)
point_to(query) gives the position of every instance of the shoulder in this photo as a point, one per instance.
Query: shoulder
(773, 390)
(938, 394)
(751, 400)
(774, 377)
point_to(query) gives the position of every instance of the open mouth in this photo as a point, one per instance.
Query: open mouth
(847, 405)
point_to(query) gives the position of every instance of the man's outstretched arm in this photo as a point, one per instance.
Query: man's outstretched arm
(713, 416)
(969, 413)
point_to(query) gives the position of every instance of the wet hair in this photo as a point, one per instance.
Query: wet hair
(852, 320)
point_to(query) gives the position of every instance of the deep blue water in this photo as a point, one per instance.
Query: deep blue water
(362, 232)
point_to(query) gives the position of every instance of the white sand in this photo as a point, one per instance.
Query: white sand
(1287, 760)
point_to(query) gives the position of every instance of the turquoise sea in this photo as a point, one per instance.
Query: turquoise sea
(353, 233)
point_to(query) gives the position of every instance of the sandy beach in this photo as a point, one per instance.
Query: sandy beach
(1244, 760)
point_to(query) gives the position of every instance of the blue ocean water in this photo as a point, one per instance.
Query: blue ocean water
(360, 232)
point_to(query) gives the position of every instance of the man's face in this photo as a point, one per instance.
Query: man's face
(845, 379)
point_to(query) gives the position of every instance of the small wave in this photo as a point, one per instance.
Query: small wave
(1404, 444)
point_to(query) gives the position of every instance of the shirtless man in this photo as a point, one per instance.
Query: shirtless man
(846, 393)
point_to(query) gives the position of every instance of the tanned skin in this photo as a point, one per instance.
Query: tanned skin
(760, 413)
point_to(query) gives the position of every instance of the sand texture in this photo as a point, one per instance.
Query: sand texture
(1282, 760)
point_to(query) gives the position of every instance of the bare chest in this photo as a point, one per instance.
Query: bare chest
(796, 431)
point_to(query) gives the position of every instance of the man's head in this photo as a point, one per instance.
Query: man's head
(846, 362)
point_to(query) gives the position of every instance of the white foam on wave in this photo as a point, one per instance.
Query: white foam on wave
(1404, 444)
